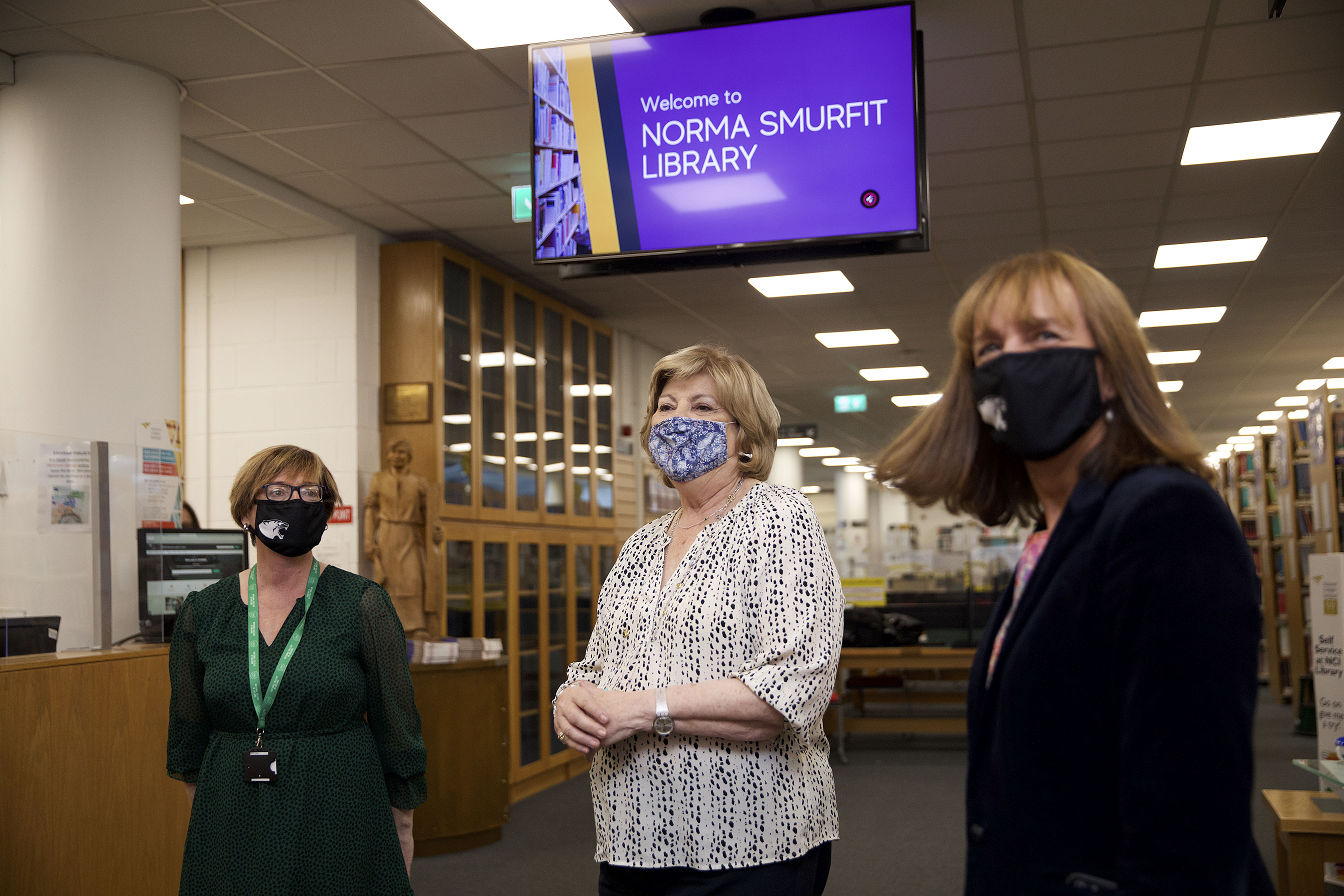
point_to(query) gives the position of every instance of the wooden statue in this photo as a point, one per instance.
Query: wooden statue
(396, 518)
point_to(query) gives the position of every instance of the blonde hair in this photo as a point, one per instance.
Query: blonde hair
(267, 465)
(742, 393)
(946, 454)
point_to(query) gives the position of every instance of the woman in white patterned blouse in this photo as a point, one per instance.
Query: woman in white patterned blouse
(713, 658)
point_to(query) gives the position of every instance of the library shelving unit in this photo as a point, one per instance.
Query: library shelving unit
(1323, 433)
(1294, 540)
(561, 214)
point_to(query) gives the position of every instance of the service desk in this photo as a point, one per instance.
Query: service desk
(1308, 832)
(902, 659)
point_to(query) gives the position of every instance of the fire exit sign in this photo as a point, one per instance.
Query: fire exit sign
(522, 204)
(850, 404)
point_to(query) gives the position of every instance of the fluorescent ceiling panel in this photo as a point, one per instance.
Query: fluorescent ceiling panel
(1268, 430)
(792, 443)
(893, 373)
(1185, 255)
(1308, 385)
(839, 461)
(915, 401)
(496, 359)
(858, 468)
(581, 390)
(1160, 358)
(1297, 415)
(1295, 136)
(810, 489)
(801, 284)
(1291, 401)
(1241, 440)
(1333, 364)
(1269, 415)
(184, 200)
(508, 23)
(1248, 430)
(850, 338)
(1179, 317)
(1171, 385)
(818, 452)
(457, 419)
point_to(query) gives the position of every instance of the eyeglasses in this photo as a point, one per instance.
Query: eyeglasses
(283, 491)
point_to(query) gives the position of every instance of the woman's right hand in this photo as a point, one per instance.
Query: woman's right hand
(579, 719)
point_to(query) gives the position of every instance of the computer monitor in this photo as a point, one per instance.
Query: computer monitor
(173, 563)
(23, 635)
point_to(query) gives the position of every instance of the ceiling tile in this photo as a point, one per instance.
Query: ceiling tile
(40, 40)
(512, 63)
(190, 45)
(508, 240)
(1110, 153)
(201, 221)
(1191, 230)
(1282, 174)
(1107, 114)
(357, 145)
(1001, 197)
(1115, 65)
(317, 228)
(1271, 96)
(1107, 186)
(389, 218)
(1101, 239)
(1275, 46)
(460, 215)
(203, 185)
(1232, 203)
(469, 135)
(974, 81)
(1105, 214)
(1016, 223)
(417, 183)
(1231, 11)
(951, 169)
(977, 128)
(255, 152)
(514, 169)
(1052, 22)
(267, 212)
(429, 85)
(62, 11)
(282, 100)
(325, 32)
(11, 18)
(198, 121)
(330, 189)
(965, 27)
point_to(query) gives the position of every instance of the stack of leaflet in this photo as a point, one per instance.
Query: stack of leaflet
(444, 651)
(479, 648)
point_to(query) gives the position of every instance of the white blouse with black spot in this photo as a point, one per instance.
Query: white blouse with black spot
(756, 598)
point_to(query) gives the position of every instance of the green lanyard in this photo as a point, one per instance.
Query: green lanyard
(260, 704)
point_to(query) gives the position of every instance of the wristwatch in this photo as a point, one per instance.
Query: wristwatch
(662, 722)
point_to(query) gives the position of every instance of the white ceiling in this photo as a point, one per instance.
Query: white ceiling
(1050, 122)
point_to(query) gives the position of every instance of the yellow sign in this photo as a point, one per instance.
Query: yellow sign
(865, 592)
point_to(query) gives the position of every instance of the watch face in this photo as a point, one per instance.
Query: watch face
(662, 726)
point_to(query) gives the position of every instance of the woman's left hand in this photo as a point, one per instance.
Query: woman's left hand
(405, 835)
(612, 715)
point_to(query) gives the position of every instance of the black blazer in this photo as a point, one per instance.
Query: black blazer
(1115, 739)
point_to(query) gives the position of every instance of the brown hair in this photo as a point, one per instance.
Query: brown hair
(946, 453)
(742, 393)
(269, 464)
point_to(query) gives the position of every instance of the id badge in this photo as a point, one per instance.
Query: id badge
(259, 766)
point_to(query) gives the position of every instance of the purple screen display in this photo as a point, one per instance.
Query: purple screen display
(793, 129)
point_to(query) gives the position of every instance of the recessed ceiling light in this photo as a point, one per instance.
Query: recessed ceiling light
(810, 489)
(850, 338)
(1297, 415)
(1185, 255)
(915, 401)
(1248, 431)
(1333, 364)
(457, 419)
(893, 373)
(1291, 401)
(1171, 385)
(1295, 136)
(459, 448)
(818, 452)
(1268, 430)
(1179, 317)
(1308, 385)
(601, 390)
(508, 23)
(792, 443)
(839, 461)
(1157, 359)
(858, 468)
(1241, 440)
(496, 359)
(184, 200)
(801, 284)
(1269, 415)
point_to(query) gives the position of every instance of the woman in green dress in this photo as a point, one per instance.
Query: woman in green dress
(292, 721)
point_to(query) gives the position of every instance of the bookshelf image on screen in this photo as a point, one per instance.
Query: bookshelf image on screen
(560, 212)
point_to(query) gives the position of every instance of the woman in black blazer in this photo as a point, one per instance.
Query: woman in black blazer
(1113, 694)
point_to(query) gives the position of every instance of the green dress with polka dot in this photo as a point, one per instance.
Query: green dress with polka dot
(344, 728)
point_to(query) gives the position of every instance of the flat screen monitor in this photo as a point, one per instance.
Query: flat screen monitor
(175, 562)
(753, 142)
(23, 635)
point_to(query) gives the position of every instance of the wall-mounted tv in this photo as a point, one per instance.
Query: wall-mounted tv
(765, 141)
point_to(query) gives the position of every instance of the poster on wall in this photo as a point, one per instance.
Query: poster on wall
(1326, 576)
(158, 474)
(63, 488)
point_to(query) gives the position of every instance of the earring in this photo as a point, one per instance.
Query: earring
(744, 455)
(1110, 415)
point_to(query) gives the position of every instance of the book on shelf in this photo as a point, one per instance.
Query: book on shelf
(1271, 491)
(479, 648)
(1249, 529)
(1275, 530)
(1255, 557)
(444, 651)
(1302, 475)
(1245, 464)
(1282, 602)
(1246, 500)
(1305, 524)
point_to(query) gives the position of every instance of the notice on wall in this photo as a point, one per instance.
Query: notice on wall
(1326, 581)
(63, 488)
(158, 474)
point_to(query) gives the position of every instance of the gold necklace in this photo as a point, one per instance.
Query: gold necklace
(715, 516)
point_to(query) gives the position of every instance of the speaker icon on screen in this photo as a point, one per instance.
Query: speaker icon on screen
(869, 199)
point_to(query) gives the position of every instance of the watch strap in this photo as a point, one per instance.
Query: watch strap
(660, 703)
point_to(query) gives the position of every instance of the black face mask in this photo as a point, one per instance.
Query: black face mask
(290, 528)
(1038, 403)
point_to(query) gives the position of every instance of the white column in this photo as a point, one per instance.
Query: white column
(787, 468)
(851, 524)
(90, 242)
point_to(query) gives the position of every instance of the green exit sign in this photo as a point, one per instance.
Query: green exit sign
(522, 204)
(850, 404)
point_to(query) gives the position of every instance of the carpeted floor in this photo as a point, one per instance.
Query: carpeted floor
(901, 822)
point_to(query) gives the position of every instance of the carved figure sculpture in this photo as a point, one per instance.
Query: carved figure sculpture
(396, 522)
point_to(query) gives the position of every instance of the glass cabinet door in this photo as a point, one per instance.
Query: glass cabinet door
(557, 617)
(583, 449)
(457, 614)
(554, 435)
(529, 680)
(602, 441)
(525, 403)
(456, 384)
(492, 394)
(583, 597)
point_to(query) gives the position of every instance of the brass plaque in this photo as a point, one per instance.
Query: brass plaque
(406, 403)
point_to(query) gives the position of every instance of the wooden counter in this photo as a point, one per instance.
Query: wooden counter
(87, 807)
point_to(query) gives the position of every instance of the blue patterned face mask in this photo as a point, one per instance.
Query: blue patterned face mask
(686, 448)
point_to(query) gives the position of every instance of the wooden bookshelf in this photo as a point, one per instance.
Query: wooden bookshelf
(561, 214)
(1324, 437)
(1297, 539)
